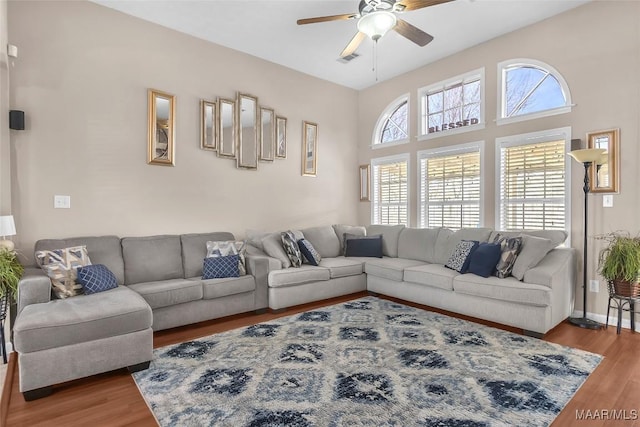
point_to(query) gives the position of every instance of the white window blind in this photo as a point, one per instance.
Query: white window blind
(450, 189)
(390, 192)
(532, 186)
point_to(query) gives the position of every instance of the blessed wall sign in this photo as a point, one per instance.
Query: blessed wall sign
(454, 125)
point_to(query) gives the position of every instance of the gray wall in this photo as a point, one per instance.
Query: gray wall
(82, 79)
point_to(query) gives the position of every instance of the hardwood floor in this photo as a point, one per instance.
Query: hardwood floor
(112, 399)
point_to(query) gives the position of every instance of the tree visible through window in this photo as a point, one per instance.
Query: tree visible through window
(396, 128)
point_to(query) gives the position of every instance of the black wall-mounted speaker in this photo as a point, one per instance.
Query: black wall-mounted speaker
(16, 119)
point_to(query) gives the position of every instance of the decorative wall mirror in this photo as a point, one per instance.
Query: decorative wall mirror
(365, 182)
(281, 137)
(226, 128)
(309, 148)
(161, 128)
(208, 125)
(267, 134)
(604, 173)
(247, 125)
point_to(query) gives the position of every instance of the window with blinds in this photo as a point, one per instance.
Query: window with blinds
(532, 186)
(390, 191)
(450, 188)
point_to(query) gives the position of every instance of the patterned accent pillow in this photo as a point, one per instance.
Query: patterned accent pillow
(510, 247)
(96, 278)
(229, 247)
(461, 256)
(290, 246)
(309, 252)
(61, 265)
(221, 266)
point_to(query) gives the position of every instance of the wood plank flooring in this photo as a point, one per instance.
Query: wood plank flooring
(113, 399)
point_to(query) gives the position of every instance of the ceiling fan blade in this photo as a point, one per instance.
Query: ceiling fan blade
(418, 4)
(327, 18)
(353, 44)
(412, 33)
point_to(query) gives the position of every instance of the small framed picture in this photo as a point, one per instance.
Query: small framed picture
(309, 148)
(281, 137)
(365, 183)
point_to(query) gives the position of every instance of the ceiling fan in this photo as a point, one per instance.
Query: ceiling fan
(377, 17)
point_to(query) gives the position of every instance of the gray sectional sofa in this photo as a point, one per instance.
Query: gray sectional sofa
(59, 340)
(413, 269)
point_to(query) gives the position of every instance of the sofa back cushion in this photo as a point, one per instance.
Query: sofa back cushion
(354, 230)
(152, 258)
(418, 244)
(101, 250)
(390, 235)
(194, 250)
(557, 237)
(324, 240)
(448, 240)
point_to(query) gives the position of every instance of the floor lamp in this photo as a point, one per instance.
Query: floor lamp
(587, 157)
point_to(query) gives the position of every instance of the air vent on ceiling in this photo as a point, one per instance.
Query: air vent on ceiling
(348, 58)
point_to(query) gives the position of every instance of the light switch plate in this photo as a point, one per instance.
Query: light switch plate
(594, 286)
(62, 202)
(607, 201)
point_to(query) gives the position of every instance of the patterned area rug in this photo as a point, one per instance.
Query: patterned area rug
(368, 362)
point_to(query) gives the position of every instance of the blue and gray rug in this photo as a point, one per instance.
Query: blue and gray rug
(368, 362)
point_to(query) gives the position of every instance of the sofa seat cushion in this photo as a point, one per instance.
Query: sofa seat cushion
(389, 268)
(297, 276)
(435, 275)
(59, 323)
(509, 289)
(217, 288)
(169, 292)
(342, 267)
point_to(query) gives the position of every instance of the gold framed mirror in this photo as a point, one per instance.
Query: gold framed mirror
(161, 128)
(309, 148)
(267, 134)
(365, 183)
(604, 173)
(247, 119)
(226, 128)
(281, 137)
(208, 125)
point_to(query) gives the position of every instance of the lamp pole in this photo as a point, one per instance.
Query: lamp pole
(587, 157)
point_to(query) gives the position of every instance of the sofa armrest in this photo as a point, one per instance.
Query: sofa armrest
(259, 267)
(33, 288)
(552, 269)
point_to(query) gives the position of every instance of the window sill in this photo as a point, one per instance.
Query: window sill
(389, 144)
(532, 116)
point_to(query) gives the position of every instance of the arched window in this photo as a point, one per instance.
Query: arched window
(530, 89)
(393, 123)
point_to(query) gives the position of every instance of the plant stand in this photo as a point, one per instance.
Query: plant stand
(4, 308)
(622, 303)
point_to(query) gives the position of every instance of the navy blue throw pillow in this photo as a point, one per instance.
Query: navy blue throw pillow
(369, 246)
(221, 266)
(484, 259)
(309, 252)
(96, 278)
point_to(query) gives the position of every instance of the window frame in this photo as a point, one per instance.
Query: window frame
(376, 140)
(441, 86)
(532, 138)
(403, 157)
(502, 82)
(469, 147)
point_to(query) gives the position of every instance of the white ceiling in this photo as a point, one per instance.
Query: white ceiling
(267, 29)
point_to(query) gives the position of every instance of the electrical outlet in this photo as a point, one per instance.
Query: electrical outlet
(607, 201)
(62, 202)
(594, 286)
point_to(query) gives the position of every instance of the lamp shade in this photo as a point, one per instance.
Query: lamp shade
(587, 155)
(7, 226)
(376, 24)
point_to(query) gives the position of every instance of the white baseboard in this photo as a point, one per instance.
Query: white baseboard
(613, 320)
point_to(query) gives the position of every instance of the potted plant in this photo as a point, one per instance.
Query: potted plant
(619, 263)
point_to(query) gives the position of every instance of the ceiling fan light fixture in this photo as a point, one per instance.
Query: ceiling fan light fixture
(377, 24)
